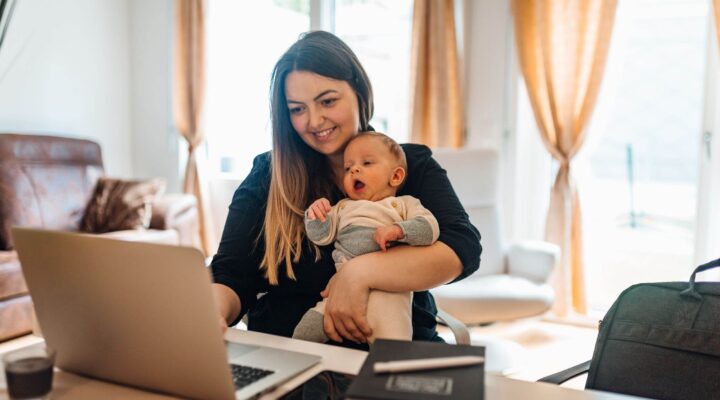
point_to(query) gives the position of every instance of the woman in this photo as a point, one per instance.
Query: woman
(320, 98)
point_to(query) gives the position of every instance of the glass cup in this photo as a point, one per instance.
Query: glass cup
(29, 372)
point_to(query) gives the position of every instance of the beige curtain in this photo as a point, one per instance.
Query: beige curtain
(435, 104)
(189, 86)
(563, 46)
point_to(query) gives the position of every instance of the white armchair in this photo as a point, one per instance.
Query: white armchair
(512, 281)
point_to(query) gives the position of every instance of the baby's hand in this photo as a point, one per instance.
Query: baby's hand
(319, 209)
(386, 234)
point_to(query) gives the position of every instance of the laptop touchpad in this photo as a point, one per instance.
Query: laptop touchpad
(236, 349)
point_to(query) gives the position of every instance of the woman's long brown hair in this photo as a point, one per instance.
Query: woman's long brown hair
(301, 175)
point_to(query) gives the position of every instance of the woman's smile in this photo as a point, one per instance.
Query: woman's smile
(324, 135)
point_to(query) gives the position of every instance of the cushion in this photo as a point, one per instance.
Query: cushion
(482, 299)
(118, 204)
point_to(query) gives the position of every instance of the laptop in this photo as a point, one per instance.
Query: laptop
(143, 315)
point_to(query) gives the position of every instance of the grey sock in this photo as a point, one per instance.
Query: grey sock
(310, 328)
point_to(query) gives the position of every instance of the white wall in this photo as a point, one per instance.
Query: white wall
(154, 139)
(64, 69)
(97, 69)
(491, 85)
(488, 70)
(495, 94)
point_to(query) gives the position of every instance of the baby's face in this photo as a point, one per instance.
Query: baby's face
(370, 170)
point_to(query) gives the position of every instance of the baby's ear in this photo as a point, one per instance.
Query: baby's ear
(398, 176)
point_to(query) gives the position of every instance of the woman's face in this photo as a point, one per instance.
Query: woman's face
(323, 111)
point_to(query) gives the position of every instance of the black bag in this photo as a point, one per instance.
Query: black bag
(661, 340)
(658, 340)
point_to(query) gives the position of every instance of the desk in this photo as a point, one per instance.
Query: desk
(70, 386)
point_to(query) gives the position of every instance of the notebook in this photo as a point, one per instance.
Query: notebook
(451, 383)
(142, 315)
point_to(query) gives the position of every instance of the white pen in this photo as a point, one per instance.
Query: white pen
(426, 363)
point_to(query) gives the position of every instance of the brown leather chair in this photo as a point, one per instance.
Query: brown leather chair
(46, 182)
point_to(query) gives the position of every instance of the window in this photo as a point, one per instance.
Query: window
(638, 170)
(380, 33)
(244, 40)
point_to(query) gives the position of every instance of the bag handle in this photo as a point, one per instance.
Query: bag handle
(690, 291)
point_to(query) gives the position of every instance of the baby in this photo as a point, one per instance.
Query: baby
(370, 219)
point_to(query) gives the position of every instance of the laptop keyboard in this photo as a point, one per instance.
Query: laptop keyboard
(244, 375)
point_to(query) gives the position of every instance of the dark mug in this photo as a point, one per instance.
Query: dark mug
(29, 372)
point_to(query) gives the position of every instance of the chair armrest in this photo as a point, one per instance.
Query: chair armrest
(459, 330)
(565, 375)
(533, 260)
(179, 212)
(169, 208)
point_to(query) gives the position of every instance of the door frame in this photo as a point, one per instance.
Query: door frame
(707, 234)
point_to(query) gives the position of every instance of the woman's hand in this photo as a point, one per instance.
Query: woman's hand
(386, 234)
(228, 304)
(346, 306)
(319, 209)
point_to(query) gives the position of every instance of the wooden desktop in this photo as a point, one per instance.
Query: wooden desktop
(70, 386)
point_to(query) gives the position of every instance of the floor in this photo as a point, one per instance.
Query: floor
(542, 348)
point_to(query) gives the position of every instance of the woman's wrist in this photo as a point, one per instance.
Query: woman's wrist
(227, 301)
(362, 270)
